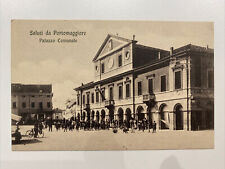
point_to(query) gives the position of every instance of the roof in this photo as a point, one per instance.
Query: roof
(193, 48)
(105, 41)
(84, 86)
(31, 88)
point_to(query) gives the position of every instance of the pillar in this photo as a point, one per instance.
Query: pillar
(124, 116)
(171, 116)
(185, 124)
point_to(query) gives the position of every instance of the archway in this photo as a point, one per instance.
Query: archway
(88, 116)
(84, 115)
(179, 117)
(92, 115)
(163, 124)
(78, 116)
(97, 116)
(150, 115)
(128, 116)
(140, 113)
(120, 116)
(111, 115)
(103, 114)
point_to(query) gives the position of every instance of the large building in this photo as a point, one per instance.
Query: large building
(174, 88)
(31, 101)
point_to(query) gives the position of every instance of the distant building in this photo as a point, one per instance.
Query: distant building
(57, 114)
(31, 101)
(173, 88)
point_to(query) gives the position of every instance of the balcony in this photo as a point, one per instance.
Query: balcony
(202, 93)
(109, 103)
(86, 107)
(149, 99)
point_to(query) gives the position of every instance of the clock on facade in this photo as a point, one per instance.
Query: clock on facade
(127, 56)
(110, 63)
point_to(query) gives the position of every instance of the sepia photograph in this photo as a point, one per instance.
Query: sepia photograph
(111, 85)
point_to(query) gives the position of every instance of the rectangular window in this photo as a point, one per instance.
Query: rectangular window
(92, 98)
(14, 105)
(97, 97)
(32, 104)
(111, 93)
(178, 80)
(210, 79)
(103, 95)
(150, 85)
(48, 104)
(120, 60)
(139, 88)
(83, 99)
(78, 100)
(120, 92)
(24, 105)
(103, 68)
(127, 90)
(88, 98)
(163, 83)
(40, 105)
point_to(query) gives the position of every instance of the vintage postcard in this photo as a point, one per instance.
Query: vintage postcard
(112, 85)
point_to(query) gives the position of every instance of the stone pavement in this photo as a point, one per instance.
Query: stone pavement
(107, 140)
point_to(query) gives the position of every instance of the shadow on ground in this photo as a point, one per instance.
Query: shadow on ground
(170, 163)
(27, 141)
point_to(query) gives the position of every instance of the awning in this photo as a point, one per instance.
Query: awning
(166, 123)
(15, 117)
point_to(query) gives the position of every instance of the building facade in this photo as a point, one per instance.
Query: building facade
(173, 88)
(31, 101)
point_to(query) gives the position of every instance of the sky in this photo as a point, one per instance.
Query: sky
(67, 65)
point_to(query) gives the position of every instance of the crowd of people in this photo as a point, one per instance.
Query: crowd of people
(104, 124)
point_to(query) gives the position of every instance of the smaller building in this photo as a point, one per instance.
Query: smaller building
(57, 114)
(31, 101)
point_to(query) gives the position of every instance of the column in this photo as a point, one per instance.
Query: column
(185, 116)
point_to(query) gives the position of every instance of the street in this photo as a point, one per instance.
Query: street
(107, 140)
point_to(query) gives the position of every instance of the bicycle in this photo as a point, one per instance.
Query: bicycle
(31, 133)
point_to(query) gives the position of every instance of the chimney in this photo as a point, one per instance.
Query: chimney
(133, 37)
(171, 51)
(159, 55)
(207, 47)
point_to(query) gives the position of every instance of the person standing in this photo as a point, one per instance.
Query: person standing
(40, 127)
(50, 125)
(35, 129)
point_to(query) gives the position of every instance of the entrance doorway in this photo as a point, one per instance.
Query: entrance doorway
(140, 113)
(163, 123)
(97, 116)
(92, 115)
(111, 115)
(179, 117)
(103, 114)
(128, 116)
(120, 116)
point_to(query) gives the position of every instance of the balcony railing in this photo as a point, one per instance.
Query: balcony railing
(202, 91)
(109, 103)
(148, 98)
(86, 106)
